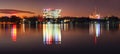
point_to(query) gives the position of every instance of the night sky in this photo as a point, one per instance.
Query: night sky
(69, 7)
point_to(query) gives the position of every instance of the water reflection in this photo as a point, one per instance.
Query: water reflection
(95, 30)
(51, 34)
(14, 33)
(64, 27)
(111, 26)
(74, 36)
(23, 27)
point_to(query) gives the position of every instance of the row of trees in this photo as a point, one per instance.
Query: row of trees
(13, 19)
(16, 19)
(34, 19)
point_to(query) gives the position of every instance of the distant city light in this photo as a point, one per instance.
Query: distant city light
(95, 14)
(51, 13)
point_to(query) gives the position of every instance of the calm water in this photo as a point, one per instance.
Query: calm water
(60, 38)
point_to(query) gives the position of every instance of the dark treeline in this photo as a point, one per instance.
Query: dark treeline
(12, 19)
(38, 19)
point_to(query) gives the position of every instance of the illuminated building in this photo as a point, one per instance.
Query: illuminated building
(95, 14)
(51, 13)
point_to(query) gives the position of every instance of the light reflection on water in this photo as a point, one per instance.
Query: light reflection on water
(75, 36)
(95, 30)
(51, 34)
(14, 33)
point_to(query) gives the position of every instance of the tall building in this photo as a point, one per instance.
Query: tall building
(51, 13)
(95, 14)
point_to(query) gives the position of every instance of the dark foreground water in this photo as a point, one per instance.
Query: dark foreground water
(60, 38)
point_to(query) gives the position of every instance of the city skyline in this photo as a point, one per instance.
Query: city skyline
(68, 7)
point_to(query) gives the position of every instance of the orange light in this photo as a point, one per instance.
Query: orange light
(14, 33)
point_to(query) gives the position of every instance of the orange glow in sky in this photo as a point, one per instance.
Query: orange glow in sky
(69, 7)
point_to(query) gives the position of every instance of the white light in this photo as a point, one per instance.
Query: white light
(97, 26)
(51, 13)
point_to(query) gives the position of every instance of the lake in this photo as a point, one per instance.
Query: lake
(66, 38)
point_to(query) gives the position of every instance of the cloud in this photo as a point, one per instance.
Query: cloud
(13, 11)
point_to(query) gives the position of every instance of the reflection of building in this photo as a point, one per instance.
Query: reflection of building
(64, 27)
(95, 14)
(51, 34)
(22, 27)
(95, 30)
(51, 13)
(14, 33)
